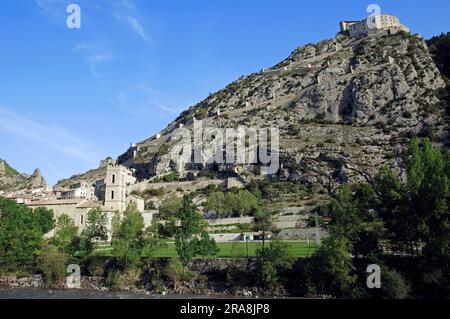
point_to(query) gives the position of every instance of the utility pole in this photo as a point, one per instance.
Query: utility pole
(246, 243)
(317, 230)
(264, 229)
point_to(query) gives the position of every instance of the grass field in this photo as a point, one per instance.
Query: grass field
(237, 249)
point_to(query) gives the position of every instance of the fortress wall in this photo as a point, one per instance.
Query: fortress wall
(172, 187)
(230, 221)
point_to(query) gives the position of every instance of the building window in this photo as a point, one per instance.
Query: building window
(113, 178)
(81, 219)
(112, 194)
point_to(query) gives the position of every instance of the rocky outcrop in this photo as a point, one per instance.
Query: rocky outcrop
(37, 180)
(2, 168)
(11, 180)
(90, 177)
(344, 108)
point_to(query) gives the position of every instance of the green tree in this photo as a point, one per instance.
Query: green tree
(175, 272)
(189, 231)
(65, 233)
(398, 219)
(345, 214)
(233, 203)
(170, 206)
(428, 182)
(271, 260)
(216, 203)
(355, 219)
(409, 216)
(152, 239)
(21, 235)
(394, 285)
(44, 218)
(440, 49)
(263, 223)
(96, 230)
(331, 269)
(205, 245)
(416, 213)
(127, 238)
(242, 203)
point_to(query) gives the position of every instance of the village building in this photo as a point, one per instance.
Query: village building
(100, 189)
(118, 179)
(77, 209)
(111, 195)
(80, 190)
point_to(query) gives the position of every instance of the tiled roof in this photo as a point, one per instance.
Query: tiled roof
(89, 204)
(56, 202)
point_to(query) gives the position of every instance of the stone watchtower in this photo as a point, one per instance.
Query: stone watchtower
(118, 178)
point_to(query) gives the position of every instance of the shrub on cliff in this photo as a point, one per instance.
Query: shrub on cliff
(53, 265)
(176, 273)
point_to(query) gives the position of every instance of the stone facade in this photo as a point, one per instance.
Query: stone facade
(190, 186)
(113, 192)
(81, 190)
(118, 179)
(76, 209)
(100, 188)
(372, 25)
(132, 199)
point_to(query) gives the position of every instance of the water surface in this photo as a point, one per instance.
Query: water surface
(41, 293)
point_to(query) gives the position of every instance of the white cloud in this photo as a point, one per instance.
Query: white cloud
(124, 11)
(160, 100)
(127, 12)
(137, 27)
(130, 4)
(54, 9)
(146, 100)
(53, 137)
(167, 109)
(95, 55)
(131, 20)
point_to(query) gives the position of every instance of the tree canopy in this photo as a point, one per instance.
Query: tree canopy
(21, 233)
(188, 229)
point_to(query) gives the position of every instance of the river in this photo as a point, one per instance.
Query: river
(40, 293)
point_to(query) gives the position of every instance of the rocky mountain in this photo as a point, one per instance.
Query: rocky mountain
(344, 107)
(89, 176)
(12, 180)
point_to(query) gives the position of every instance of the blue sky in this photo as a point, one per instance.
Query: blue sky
(70, 97)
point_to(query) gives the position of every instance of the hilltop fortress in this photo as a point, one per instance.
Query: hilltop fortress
(373, 25)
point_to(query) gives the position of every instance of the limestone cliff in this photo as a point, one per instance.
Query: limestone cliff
(12, 180)
(344, 108)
